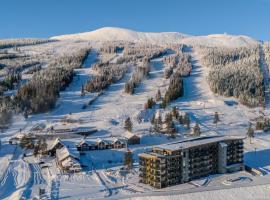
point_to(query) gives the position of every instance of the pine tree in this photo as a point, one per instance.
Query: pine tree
(196, 130)
(180, 119)
(152, 120)
(168, 118)
(171, 129)
(128, 160)
(158, 124)
(158, 95)
(216, 118)
(250, 133)
(186, 120)
(128, 124)
(82, 91)
(170, 126)
(149, 104)
(175, 113)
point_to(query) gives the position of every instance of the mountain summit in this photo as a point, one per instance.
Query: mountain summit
(121, 34)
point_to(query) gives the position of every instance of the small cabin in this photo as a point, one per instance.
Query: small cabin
(68, 160)
(101, 144)
(119, 143)
(131, 138)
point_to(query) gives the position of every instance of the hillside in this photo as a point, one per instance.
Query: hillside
(86, 86)
(120, 34)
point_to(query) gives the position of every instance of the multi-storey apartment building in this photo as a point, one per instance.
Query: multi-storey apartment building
(180, 162)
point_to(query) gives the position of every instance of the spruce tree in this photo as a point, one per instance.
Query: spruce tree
(82, 91)
(196, 130)
(216, 118)
(180, 119)
(128, 159)
(128, 124)
(250, 133)
(175, 113)
(158, 95)
(186, 120)
(152, 120)
(158, 124)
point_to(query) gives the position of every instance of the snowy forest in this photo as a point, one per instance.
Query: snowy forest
(235, 72)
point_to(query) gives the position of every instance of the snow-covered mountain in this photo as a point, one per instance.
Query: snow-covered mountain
(120, 34)
(221, 40)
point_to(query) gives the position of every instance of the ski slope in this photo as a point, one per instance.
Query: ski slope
(23, 177)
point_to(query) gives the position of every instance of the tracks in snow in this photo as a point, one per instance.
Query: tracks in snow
(35, 182)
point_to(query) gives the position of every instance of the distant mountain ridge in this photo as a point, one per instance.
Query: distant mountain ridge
(121, 34)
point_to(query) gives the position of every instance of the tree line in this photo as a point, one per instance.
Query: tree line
(235, 72)
(41, 92)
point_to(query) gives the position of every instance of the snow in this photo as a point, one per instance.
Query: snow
(16, 176)
(220, 40)
(120, 34)
(85, 185)
(241, 193)
(102, 176)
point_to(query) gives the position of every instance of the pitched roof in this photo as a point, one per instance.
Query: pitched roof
(65, 152)
(95, 141)
(129, 135)
(52, 143)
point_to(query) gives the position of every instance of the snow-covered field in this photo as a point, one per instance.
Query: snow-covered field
(21, 178)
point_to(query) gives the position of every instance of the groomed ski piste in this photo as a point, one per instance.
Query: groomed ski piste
(21, 177)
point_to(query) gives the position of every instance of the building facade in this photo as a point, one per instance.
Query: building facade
(184, 161)
(131, 138)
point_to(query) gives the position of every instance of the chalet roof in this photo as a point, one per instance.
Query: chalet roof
(95, 141)
(70, 143)
(65, 152)
(52, 143)
(71, 162)
(129, 135)
(197, 142)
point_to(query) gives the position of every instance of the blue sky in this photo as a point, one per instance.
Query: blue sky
(44, 18)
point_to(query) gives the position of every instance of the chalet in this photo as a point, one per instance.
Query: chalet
(68, 160)
(131, 138)
(100, 144)
(53, 145)
(119, 143)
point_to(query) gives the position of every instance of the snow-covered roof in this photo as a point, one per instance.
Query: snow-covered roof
(65, 152)
(71, 162)
(52, 143)
(69, 143)
(129, 135)
(96, 141)
(197, 142)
